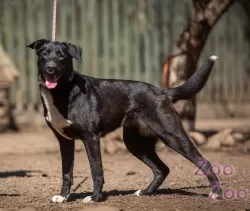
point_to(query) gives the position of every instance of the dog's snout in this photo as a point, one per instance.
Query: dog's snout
(51, 67)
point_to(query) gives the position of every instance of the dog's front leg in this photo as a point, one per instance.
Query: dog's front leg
(92, 145)
(67, 148)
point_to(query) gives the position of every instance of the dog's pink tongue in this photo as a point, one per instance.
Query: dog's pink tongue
(50, 85)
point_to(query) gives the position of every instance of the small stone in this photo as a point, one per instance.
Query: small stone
(239, 137)
(228, 141)
(130, 173)
(113, 143)
(215, 141)
(198, 138)
(110, 147)
(212, 143)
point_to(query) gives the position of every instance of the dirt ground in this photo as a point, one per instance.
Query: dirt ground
(30, 174)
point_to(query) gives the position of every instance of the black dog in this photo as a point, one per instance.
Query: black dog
(87, 108)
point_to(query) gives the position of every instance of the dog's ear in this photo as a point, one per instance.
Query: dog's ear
(74, 51)
(37, 44)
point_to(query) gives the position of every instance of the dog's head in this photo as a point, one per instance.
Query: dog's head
(55, 64)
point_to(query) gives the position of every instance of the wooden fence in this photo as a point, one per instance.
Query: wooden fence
(125, 39)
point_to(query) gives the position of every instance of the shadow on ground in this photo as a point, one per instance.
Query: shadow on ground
(75, 196)
(9, 195)
(20, 173)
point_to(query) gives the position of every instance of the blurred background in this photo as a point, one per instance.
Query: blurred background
(161, 42)
(130, 40)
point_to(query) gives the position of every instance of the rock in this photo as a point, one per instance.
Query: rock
(121, 146)
(215, 141)
(239, 137)
(228, 140)
(198, 138)
(110, 147)
(113, 142)
(101, 208)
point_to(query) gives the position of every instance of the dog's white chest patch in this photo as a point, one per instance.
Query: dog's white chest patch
(58, 122)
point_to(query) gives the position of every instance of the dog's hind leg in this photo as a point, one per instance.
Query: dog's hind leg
(67, 148)
(92, 145)
(177, 139)
(143, 147)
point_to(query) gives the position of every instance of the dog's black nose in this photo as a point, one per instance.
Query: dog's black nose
(51, 68)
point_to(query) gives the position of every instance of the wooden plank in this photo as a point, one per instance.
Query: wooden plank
(127, 42)
(167, 18)
(85, 40)
(43, 31)
(106, 37)
(240, 89)
(73, 22)
(136, 47)
(63, 20)
(146, 33)
(31, 83)
(226, 21)
(116, 44)
(47, 16)
(21, 94)
(74, 26)
(154, 76)
(94, 39)
(80, 33)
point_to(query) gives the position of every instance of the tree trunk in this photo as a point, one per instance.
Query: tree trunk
(178, 67)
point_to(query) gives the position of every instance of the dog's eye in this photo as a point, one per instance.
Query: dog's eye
(60, 55)
(45, 53)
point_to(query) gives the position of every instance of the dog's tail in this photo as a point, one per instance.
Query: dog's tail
(194, 84)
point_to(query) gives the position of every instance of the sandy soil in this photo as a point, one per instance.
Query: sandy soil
(30, 173)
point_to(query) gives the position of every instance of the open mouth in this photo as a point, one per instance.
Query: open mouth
(51, 80)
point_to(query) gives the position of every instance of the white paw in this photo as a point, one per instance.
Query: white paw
(59, 199)
(69, 122)
(87, 199)
(214, 57)
(214, 196)
(138, 193)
